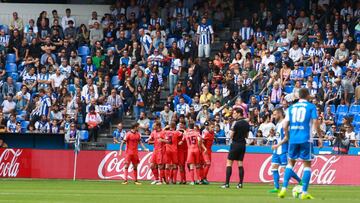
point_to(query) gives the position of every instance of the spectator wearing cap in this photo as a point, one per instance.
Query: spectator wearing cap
(67, 18)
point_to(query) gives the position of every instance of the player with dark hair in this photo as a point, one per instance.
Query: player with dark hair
(238, 134)
(132, 139)
(182, 154)
(279, 156)
(157, 159)
(300, 120)
(208, 136)
(193, 140)
(171, 152)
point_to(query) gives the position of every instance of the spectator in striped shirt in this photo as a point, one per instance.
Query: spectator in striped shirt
(246, 32)
(146, 43)
(205, 37)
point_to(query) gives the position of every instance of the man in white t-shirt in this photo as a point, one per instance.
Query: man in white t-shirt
(67, 18)
(56, 79)
(267, 58)
(8, 105)
(283, 43)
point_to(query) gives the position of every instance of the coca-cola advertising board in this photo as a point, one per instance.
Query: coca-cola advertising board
(107, 165)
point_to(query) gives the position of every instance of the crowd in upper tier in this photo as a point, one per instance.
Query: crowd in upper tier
(56, 72)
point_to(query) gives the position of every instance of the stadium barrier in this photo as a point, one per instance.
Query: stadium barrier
(107, 165)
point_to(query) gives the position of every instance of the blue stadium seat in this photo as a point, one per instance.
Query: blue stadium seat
(288, 89)
(343, 69)
(11, 67)
(14, 75)
(316, 79)
(354, 109)
(10, 58)
(115, 81)
(72, 88)
(84, 51)
(301, 68)
(83, 59)
(151, 123)
(169, 42)
(342, 109)
(308, 71)
(24, 124)
(356, 120)
(357, 128)
(339, 119)
(84, 135)
(18, 86)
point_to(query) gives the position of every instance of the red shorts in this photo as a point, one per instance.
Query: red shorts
(171, 157)
(206, 157)
(132, 158)
(193, 157)
(157, 158)
(182, 155)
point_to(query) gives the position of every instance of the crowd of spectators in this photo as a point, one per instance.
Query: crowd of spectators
(56, 73)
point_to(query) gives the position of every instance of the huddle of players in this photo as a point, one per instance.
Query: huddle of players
(174, 149)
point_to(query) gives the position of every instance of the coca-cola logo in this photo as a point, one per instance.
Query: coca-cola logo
(113, 167)
(9, 167)
(322, 171)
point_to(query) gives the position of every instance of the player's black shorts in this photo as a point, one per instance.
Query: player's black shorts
(237, 151)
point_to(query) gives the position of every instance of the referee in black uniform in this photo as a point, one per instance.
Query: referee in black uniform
(238, 134)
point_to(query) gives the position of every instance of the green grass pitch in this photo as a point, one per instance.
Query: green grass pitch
(58, 191)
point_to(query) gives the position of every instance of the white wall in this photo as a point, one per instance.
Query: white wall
(82, 12)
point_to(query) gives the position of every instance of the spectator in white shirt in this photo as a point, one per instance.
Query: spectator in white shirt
(354, 62)
(295, 52)
(8, 105)
(267, 58)
(57, 79)
(67, 18)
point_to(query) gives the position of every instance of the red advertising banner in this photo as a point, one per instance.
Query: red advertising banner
(107, 165)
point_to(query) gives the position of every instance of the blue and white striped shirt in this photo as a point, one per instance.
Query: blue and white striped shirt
(183, 11)
(43, 76)
(146, 42)
(204, 32)
(153, 21)
(45, 105)
(246, 33)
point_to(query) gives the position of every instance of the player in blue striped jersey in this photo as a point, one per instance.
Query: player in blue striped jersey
(300, 120)
(279, 156)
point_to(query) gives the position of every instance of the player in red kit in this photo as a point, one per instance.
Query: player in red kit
(193, 140)
(208, 140)
(132, 139)
(171, 152)
(182, 154)
(157, 159)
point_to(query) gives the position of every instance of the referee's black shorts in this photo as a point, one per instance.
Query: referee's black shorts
(237, 151)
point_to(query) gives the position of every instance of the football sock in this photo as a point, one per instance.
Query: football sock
(206, 171)
(228, 174)
(126, 174)
(135, 175)
(183, 175)
(167, 175)
(198, 173)
(162, 174)
(156, 173)
(241, 174)
(174, 175)
(295, 176)
(276, 177)
(306, 179)
(192, 175)
(287, 176)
